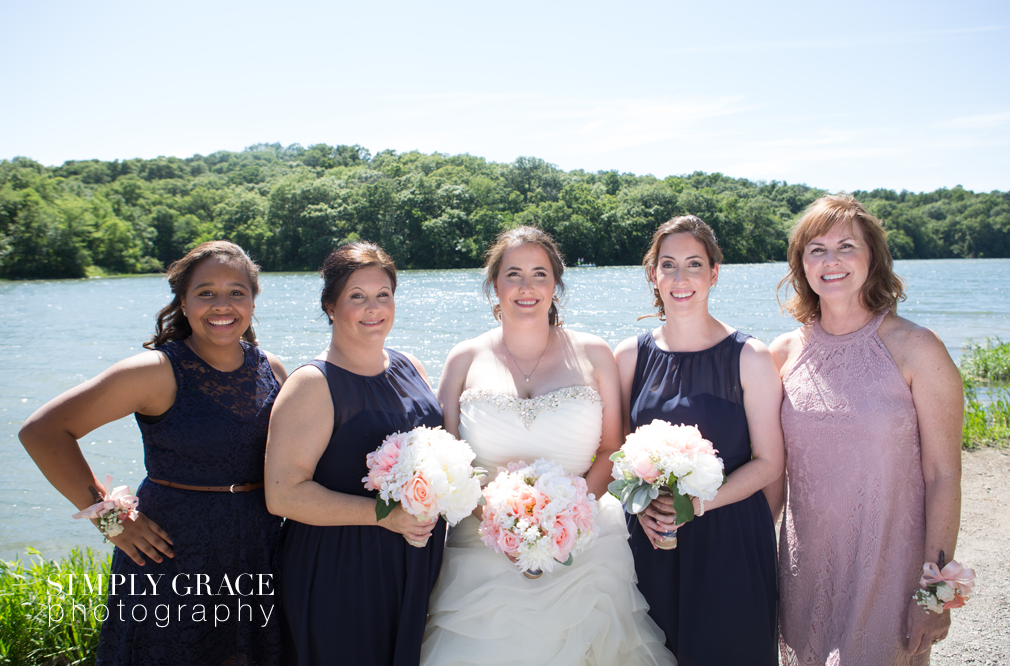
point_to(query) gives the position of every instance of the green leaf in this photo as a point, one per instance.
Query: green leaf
(384, 508)
(616, 487)
(617, 455)
(640, 499)
(568, 562)
(682, 505)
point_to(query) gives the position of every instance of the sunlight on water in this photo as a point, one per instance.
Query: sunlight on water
(56, 334)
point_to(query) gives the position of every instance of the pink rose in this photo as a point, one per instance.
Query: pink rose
(565, 533)
(956, 602)
(509, 542)
(644, 469)
(417, 498)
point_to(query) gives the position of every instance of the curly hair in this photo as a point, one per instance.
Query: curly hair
(883, 289)
(171, 324)
(525, 235)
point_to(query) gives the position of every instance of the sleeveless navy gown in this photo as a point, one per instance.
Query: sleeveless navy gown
(715, 595)
(359, 594)
(213, 435)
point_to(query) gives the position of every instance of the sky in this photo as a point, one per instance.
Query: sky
(840, 96)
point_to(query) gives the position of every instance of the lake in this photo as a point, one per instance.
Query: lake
(55, 334)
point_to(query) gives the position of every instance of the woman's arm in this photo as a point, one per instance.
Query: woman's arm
(626, 355)
(609, 380)
(762, 399)
(938, 395)
(450, 385)
(784, 350)
(301, 424)
(143, 383)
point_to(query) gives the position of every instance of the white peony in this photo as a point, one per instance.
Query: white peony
(703, 482)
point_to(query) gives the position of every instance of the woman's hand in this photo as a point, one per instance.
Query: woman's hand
(143, 535)
(658, 517)
(412, 527)
(924, 628)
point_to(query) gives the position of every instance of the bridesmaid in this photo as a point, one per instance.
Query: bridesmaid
(202, 398)
(352, 590)
(715, 594)
(872, 417)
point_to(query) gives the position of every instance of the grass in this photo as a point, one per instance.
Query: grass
(47, 625)
(986, 365)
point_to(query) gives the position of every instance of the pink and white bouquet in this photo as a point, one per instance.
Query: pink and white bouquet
(538, 515)
(945, 588)
(117, 504)
(428, 472)
(660, 456)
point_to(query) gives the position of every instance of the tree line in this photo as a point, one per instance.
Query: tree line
(290, 206)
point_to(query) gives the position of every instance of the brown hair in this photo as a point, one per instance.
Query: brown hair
(171, 324)
(512, 238)
(684, 224)
(883, 289)
(346, 259)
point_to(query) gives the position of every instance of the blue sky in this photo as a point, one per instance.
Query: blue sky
(842, 96)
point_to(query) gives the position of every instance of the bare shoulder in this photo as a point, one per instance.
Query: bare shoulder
(307, 381)
(625, 348)
(150, 370)
(785, 348)
(596, 349)
(914, 348)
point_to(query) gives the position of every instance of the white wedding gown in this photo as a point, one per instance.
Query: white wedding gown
(483, 611)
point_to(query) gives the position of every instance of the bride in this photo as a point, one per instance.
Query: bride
(527, 390)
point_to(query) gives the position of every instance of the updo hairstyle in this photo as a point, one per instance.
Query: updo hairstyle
(346, 259)
(524, 235)
(171, 324)
(684, 224)
(882, 291)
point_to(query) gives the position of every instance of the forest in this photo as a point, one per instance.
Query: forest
(290, 206)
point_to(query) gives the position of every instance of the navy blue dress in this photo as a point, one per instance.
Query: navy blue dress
(716, 594)
(359, 594)
(207, 607)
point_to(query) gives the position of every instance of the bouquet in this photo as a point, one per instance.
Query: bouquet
(945, 588)
(115, 505)
(661, 457)
(538, 515)
(427, 471)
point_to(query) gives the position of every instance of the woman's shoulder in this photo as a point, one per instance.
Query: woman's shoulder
(910, 345)
(786, 348)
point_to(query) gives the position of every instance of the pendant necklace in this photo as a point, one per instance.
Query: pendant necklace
(525, 376)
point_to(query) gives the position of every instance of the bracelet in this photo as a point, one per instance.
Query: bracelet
(111, 510)
(942, 589)
(701, 507)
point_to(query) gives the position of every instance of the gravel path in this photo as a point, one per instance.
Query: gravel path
(980, 632)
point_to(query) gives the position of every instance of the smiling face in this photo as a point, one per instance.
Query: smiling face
(837, 263)
(364, 309)
(219, 301)
(683, 273)
(525, 283)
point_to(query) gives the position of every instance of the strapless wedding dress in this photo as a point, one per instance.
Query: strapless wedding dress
(483, 611)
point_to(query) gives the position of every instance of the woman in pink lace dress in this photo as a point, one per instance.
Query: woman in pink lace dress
(872, 420)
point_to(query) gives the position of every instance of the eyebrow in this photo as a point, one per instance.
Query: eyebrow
(840, 240)
(693, 256)
(230, 284)
(516, 268)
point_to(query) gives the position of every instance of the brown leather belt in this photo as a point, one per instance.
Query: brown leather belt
(233, 488)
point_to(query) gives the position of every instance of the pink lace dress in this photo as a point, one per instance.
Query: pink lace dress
(851, 547)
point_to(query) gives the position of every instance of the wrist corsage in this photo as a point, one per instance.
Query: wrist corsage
(945, 588)
(110, 511)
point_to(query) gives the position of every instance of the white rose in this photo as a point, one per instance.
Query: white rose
(704, 481)
(459, 504)
(944, 592)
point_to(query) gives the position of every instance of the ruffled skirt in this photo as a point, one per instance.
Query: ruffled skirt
(484, 611)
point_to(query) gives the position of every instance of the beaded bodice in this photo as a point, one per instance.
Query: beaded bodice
(564, 426)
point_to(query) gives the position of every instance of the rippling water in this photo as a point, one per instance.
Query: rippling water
(56, 334)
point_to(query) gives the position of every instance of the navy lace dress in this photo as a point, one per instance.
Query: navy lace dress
(206, 607)
(716, 594)
(359, 594)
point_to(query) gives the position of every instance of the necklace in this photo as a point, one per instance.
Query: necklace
(527, 377)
